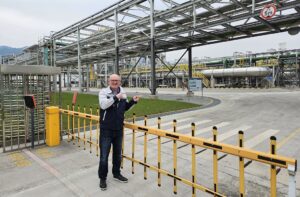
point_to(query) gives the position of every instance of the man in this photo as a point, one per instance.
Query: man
(113, 104)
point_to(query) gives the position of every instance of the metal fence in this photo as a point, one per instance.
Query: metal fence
(77, 130)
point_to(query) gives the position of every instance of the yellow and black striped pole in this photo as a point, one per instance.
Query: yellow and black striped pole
(122, 150)
(91, 127)
(241, 166)
(78, 127)
(84, 129)
(273, 167)
(145, 148)
(193, 162)
(158, 154)
(133, 144)
(174, 158)
(73, 124)
(68, 107)
(97, 133)
(215, 160)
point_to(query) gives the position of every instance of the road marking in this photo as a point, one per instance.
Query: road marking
(44, 153)
(167, 123)
(260, 138)
(73, 188)
(171, 122)
(154, 124)
(190, 126)
(287, 138)
(186, 126)
(226, 135)
(19, 159)
(207, 129)
(229, 134)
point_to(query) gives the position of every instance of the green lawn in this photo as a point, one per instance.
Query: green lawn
(144, 107)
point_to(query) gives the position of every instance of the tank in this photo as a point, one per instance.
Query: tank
(238, 72)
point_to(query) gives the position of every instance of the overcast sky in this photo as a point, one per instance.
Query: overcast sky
(24, 22)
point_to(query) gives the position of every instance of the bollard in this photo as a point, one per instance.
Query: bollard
(158, 154)
(193, 162)
(145, 148)
(273, 167)
(133, 145)
(241, 166)
(174, 157)
(52, 126)
(215, 160)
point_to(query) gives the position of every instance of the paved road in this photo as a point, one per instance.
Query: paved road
(260, 113)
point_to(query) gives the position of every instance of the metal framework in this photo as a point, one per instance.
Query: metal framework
(15, 82)
(127, 28)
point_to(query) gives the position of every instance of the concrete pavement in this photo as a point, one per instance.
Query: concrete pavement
(67, 170)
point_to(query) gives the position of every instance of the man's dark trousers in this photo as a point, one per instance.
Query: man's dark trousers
(115, 138)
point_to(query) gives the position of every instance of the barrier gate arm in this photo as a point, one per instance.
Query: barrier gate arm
(267, 158)
(79, 114)
(284, 162)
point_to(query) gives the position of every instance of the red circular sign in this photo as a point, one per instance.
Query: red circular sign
(268, 11)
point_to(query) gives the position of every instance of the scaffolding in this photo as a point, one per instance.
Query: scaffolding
(137, 28)
(131, 29)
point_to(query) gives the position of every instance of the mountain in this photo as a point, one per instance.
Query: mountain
(6, 50)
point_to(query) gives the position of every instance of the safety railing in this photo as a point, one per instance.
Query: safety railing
(81, 127)
(276, 162)
(198, 74)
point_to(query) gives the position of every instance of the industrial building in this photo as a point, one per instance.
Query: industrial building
(132, 37)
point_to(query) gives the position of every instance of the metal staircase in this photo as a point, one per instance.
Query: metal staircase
(205, 81)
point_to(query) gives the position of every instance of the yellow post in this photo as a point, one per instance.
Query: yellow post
(145, 148)
(158, 153)
(73, 124)
(273, 167)
(174, 157)
(241, 166)
(97, 133)
(91, 127)
(68, 107)
(84, 129)
(215, 160)
(52, 126)
(193, 162)
(78, 127)
(122, 151)
(133, 144)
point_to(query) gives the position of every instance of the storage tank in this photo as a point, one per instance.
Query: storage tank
(238, 72)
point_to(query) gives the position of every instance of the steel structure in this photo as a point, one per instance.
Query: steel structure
(132, 28)
(15, 82)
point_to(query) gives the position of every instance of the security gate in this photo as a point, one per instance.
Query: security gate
(15, 82)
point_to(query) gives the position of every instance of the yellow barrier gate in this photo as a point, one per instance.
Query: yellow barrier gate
(242, 153)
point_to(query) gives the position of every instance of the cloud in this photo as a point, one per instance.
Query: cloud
(18, 28)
